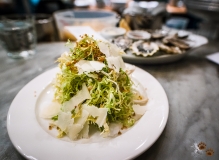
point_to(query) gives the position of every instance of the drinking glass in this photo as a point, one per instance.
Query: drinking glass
(18, 36)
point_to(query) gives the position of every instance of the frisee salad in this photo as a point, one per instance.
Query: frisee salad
(93, 89)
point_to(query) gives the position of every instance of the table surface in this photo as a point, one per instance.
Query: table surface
(191, 84)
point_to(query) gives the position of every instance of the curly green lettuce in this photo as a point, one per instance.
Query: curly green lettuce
(94, 89)
(107, 88)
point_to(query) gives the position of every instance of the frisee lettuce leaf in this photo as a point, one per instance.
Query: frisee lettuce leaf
(108, 88)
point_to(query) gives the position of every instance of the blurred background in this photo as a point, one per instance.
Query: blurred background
(197, 16)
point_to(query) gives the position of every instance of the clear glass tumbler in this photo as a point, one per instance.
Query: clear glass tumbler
(18, 36)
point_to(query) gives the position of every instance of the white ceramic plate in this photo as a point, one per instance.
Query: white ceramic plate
(31, 137)
(194, 40)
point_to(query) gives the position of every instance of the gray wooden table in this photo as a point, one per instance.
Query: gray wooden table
(191, 84)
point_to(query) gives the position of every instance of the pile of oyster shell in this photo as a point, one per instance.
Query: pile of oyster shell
(158, 43)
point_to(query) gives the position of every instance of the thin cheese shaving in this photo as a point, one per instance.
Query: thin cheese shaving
(139, 110)
(116, 63)
(64, 120)
(89, 66)
(100, 113)
(82, 95)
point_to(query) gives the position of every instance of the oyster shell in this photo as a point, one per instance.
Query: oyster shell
(182, 35)
(123, 42)
(171, 49)
(139, 35)
(176, 42)
(145, 49)
(158, 34)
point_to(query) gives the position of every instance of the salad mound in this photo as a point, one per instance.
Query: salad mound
(94, 88)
